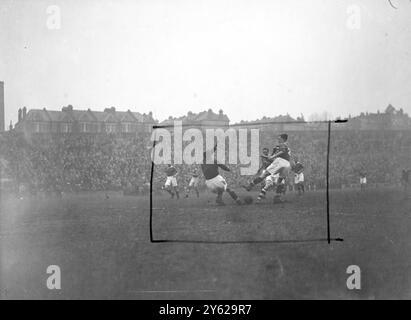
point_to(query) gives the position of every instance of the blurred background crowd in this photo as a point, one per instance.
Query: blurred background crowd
(73, 162)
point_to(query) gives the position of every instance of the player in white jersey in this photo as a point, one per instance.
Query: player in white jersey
(193, 184)
(277, 171)
(171, 182)
(363, 180)
(299, 178)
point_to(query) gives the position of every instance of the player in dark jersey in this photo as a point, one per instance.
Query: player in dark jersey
(193, 184)
(298, 170)
(215, 182)
(297, 167)
(265, 161)
(171, 183)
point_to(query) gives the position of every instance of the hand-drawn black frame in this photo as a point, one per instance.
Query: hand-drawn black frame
(328, 238)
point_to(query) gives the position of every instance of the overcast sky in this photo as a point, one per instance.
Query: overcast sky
(249, 58)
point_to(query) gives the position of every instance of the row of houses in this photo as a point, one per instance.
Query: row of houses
(204, 119)
(70, 120)
(390, 119)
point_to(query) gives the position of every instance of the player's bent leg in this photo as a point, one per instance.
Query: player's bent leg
(279, 168)
(219, 199)
(256, 180)
(168, 186)
(217, 185)
(279, 192)
(262, 194)
(168, 189)
(269, 183)
(233, 195)
(280, 188)
(174, 187)
(176, 192)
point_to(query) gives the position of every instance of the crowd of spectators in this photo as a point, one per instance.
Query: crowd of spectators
(57, 163)
(77, 162)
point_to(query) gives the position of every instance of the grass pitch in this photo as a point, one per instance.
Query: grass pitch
(102, 246)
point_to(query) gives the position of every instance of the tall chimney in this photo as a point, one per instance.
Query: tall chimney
(1, 106)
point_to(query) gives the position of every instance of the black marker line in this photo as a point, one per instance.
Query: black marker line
(151, 194)
(247, 241)
(165, 126)
(328, 182)
(328, 239)
(151, 202)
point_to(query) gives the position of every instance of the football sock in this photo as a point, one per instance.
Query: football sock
(262, 193)
(232, 194)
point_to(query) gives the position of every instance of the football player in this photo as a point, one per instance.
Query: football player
(277, 171)
(193, 184)
(215, 182)
(171, 182)
(298, 170)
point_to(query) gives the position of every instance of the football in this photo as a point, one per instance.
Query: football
(248, 200)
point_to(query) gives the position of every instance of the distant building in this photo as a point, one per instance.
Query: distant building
(391, 119)
(202, 120)
(69, 120)
(278, 123)
(112, 121)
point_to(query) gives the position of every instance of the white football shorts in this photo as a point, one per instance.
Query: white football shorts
(194, 182)
(171, 181)
(280, 166)
(216, 184)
